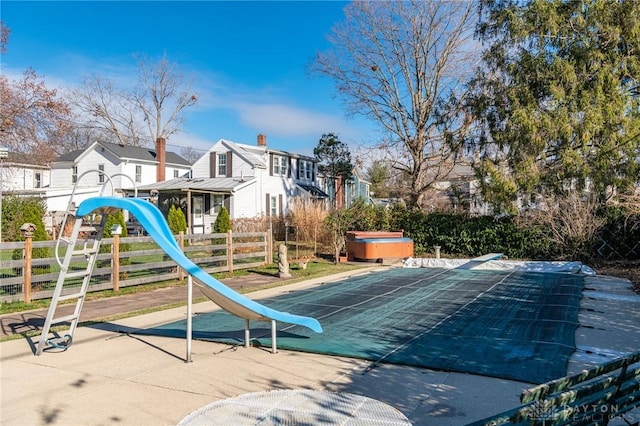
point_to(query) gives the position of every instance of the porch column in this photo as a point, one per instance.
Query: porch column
(189, 214)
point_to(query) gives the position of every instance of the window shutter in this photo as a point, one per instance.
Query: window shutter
(229, 165)
(299, 162)
(212, 164)
(280, 205)
(270, 164)
(227, 204)
(268, 205)
(289, 162)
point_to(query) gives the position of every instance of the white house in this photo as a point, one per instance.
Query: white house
(249, 180)
(23, 177)
(127, 164)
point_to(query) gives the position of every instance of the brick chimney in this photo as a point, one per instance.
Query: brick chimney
(161, 156)
(262, 140)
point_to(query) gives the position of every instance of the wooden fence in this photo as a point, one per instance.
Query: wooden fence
(32, 271)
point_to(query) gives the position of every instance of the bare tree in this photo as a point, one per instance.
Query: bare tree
(403, 64)
(152, 109)
(162, 89)
(190, 154)
(34, 120)
(108, 110)
(572, 220)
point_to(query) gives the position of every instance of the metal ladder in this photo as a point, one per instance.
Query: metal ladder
(83, 245)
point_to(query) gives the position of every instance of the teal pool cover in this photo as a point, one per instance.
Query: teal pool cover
(505, 324)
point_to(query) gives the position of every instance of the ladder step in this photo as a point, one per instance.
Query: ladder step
(71, 296)
(85, 252)
(65, 318)
(78, 274)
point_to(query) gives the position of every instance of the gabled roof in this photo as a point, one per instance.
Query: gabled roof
(126, 152)
(221, 184)
(255, 154)
(251, 154)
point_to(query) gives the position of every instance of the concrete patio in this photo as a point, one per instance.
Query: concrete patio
(114, 378)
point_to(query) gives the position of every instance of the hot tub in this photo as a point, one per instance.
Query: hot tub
(378, 245)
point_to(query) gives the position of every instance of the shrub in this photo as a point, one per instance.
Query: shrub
(308, 217)
(463, 235)
(28, 210)
(223, 222)
(115, 219)
(176, 219)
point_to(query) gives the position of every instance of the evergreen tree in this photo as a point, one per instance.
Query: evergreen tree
(176, 220)
(334, 159)
(28, 210)
(115, 219)
(223, 222)
(557, 98)
(378, 176)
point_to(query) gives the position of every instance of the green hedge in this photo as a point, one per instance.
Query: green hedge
(463, 235)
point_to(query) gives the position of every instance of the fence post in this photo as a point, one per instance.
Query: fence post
(230, 251)
(115, 262)
(181, 244)
(28, 254)
(267, 244)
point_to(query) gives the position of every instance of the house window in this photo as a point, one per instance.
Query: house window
(138, 174)
(273, 206)
(176, 174)
(306, 168)
(222, 164)
(217, 201)
(74, 174)
(101, 174)
(280, 165)
(37, 180)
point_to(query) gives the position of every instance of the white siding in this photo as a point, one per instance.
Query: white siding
(170, 171)
(245, 202)
(17, 177)
(200, 169)
(240, 167)
(91, 160)
(61, 178)
(58, 199)
(147, 174)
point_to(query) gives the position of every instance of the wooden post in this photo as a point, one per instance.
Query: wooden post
(116, 262)
(28, 254)
(181, 244)
(230, 251)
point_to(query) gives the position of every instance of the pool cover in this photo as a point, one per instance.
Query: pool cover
(505, 324)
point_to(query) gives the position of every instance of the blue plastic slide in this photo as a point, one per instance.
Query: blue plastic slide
(156, 226)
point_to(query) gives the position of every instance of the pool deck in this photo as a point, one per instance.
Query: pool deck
(114, 378)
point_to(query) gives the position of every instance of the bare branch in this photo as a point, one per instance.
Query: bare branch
(403, 65)
(137, 116)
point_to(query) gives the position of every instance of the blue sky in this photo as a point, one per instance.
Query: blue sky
(246, 60)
